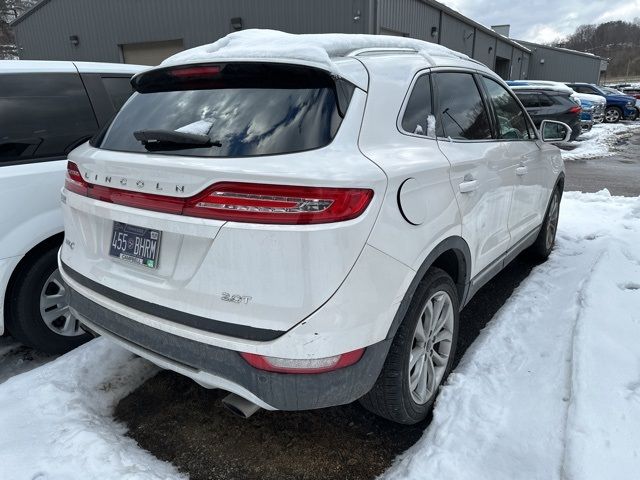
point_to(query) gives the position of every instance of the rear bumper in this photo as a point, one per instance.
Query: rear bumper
(216, 367)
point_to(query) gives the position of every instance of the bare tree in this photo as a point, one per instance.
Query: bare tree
(9, 11)
(618, 41)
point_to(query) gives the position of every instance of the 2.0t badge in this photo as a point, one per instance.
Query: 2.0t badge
(228, 297)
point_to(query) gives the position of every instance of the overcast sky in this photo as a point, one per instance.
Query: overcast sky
(545, 20)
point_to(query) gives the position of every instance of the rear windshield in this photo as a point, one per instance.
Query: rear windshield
(243, 109)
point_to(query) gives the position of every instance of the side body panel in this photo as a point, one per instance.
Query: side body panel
(484, 210)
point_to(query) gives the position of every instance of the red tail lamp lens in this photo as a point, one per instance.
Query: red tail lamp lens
(259, 203)
(74, 181)
(240, 202)
(315, 365)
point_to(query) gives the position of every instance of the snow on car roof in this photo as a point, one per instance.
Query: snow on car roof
(313, 48)
(540, 85)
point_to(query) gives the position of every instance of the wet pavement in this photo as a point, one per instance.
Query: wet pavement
(620, 173)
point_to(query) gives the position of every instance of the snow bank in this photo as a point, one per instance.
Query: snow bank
(551, 389)
(599, 141)
(55, 420)
(315, 48)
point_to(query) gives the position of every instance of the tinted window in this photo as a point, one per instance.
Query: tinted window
(119, 90)
(461, 111)
(546, 101)
(418, 116)
(511, 119)
(42, 115)
(245, 110)
(529, 100)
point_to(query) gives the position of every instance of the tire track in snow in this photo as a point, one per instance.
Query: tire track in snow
(580, 303)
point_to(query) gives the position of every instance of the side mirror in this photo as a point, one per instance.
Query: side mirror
(553, 131)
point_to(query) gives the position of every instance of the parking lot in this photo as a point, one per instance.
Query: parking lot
(179, 422)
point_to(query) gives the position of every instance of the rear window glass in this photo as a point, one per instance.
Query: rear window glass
(243, 109)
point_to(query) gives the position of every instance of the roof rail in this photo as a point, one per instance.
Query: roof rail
(364, 51)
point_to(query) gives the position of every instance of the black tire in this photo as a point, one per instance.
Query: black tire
(391, 396)
(546, 239)
(24, 320)
(612, 115)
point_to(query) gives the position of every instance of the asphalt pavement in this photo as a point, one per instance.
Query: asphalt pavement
(620, 173)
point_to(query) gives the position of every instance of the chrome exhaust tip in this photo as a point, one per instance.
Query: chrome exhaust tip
(240, 407)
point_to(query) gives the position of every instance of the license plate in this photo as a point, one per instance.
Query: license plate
(136, 245)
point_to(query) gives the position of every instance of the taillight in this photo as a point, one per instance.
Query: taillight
(307, 365)
(74, 181)
(239, 202)
(260, 203)
(575, 109)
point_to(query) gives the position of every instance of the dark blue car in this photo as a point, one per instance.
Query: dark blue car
(618, 106)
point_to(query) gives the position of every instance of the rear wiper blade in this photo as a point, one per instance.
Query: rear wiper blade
(173, 137)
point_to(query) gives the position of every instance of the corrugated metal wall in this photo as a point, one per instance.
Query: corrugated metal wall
(457, 35)
(409, 17)
(552, 64)
(504, 50)
(485, 49)
(101, 26)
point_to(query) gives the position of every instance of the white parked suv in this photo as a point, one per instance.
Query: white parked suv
(298, 220)
(46, 110)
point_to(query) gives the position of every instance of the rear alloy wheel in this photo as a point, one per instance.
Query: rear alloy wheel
(546, 239)
(612, 115)
(421, 354)
(54, 307)
(431, 347)
(37, 307)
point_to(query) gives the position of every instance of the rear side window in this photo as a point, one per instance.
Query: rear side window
(461, 111)
(546, 101)
(529, 100)
(119, 90)
(43, 116)
(418, 115)
(239, 109)
(510, 117)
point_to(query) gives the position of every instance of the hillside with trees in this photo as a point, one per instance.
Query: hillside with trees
(9, 11)
(618, 41)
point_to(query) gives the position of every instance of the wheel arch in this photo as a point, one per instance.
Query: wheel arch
(451, 255)
(560, 182)
(35, 251)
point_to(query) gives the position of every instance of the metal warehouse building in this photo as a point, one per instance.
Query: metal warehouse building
(147, 31)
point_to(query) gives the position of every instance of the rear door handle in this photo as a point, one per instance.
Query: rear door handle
(468, 186)
(523, 170)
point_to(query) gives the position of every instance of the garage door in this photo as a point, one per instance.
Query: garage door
(150, 53)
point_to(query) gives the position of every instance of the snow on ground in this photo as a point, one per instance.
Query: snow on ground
(55, 421)
(551, 388)
(599, 141)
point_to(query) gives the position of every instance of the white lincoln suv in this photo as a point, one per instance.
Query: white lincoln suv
(299, 219)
